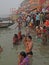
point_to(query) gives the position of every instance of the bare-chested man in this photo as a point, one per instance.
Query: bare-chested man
(28, 45)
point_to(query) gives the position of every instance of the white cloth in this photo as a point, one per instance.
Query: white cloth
(28, 19)
(31, 20)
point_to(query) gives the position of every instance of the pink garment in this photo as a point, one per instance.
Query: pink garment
(42, 1)
(25, 61)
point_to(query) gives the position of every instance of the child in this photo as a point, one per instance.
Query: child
(15, 39)
(23, 59)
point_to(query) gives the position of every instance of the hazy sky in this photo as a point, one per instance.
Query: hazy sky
(5, 6)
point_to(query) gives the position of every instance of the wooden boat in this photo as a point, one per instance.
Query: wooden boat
(5, 24)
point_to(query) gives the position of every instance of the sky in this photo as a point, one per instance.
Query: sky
(6, 5)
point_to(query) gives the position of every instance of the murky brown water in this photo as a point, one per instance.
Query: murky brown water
(9, 56)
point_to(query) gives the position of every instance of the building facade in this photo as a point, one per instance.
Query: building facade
(35, 3)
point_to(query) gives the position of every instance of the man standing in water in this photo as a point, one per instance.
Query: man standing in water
(28, 46)
(19, 26)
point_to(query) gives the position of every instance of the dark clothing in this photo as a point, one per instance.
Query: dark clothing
(44, 38)
(30, 53)
(15, 40)
(37, 22)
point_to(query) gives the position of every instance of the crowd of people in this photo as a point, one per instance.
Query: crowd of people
(40, 25)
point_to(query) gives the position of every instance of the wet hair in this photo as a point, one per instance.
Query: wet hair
(23, 54)
(15, 35)
(37, 13)
(29, 37)
(44, 27)
(30, 53)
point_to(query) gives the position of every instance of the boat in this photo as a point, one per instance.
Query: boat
(5, 24)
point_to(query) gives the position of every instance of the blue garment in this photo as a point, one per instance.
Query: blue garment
(37, 17)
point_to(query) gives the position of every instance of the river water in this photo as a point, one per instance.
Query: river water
(9, 56)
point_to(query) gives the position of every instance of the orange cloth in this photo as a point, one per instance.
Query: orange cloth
(31, 24)
(19, 35)
(47, 23)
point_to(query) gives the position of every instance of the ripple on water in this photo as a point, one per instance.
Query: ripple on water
(9, 55)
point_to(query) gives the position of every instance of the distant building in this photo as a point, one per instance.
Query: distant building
(31, 4)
